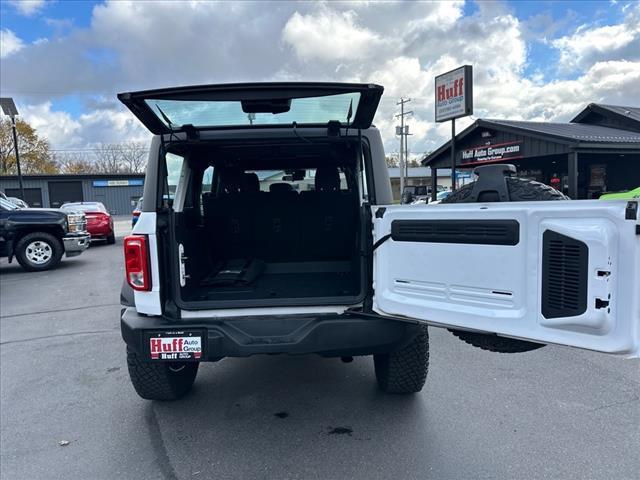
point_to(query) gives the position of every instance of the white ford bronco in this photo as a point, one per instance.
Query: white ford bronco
(268, 227)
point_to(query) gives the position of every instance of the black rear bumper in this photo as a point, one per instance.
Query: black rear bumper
(329, 335)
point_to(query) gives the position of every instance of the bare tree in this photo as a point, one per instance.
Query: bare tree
(133, 157)
(128, 157)
(75, 162)
(108, 158)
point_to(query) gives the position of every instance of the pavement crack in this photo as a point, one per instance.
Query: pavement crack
(58, 310)
(614, 404)
(157, 444)
(71, 334)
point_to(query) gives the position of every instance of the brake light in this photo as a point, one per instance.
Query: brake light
(136, 260)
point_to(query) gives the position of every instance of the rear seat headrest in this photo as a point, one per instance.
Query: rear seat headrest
(231, 180)
(280, 187)
(251, 182)
(327, 179)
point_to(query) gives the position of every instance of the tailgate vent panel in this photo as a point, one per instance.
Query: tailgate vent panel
(565, 263)
(477, 232)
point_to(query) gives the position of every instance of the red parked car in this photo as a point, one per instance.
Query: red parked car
(99, 221)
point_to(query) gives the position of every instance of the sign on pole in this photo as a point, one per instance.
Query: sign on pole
(454, 94)
(454, 99)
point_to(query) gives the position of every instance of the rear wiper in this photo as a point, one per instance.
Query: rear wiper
(349, 113)
(165, 118)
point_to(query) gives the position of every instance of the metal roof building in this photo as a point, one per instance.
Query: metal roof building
(597, 151)
(118, 192)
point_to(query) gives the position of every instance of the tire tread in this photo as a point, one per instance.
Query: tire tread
(404, 370)
(154, 381)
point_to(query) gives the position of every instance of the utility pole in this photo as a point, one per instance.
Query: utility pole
(406, 151)
(403, 132)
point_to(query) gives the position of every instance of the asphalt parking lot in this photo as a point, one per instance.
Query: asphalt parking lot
(551, 413)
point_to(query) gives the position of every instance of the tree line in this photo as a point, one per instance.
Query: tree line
(393, 161)
(36, 155)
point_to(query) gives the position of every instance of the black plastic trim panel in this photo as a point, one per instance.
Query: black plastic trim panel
(476, 232)
(565, 268)
(325, 334)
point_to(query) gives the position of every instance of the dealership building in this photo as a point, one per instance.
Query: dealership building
(117, 192)
(597, 151)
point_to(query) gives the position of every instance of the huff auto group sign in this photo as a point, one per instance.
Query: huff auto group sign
(491, 153)
(454, 94)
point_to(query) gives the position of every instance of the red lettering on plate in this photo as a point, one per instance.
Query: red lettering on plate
(156, 345)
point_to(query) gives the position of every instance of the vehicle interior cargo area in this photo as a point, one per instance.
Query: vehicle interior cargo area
(270, 223)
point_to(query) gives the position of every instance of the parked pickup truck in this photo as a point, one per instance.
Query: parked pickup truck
(38, 237)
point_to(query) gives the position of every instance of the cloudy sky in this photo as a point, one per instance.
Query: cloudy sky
(64, 61)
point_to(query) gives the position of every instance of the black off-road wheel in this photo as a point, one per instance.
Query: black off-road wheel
(404, 370)
(520, 190)
(161, 381)
(39, 251)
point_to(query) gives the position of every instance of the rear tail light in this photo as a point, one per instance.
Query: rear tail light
(136, 261)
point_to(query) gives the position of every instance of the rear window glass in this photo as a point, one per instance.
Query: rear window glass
(203, 113)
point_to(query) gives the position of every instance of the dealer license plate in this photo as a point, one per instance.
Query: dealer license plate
(176, 345)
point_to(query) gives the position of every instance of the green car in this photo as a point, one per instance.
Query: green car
(628, 195)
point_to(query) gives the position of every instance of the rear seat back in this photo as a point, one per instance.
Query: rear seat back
(229, 218)
(277, 224)
(329, 218)
(281, 225)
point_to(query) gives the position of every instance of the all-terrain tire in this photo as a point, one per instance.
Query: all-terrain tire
(494, 343)
(404, 370)
(162, 380)
(38, 251)
(111, 239)
(520, 190)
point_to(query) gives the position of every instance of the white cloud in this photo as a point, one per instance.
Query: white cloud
(105, 124)
(589, 44)
(28, 7)
(9, 43)
(58, 127)
(330, 35)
